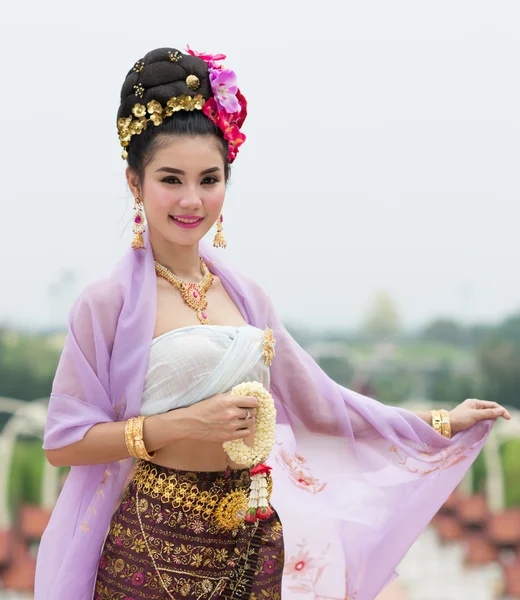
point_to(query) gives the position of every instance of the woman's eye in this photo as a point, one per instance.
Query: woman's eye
(206, 181)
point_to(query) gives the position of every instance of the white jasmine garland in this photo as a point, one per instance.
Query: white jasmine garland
(237, 450)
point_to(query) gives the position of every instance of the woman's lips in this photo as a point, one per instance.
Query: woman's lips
(188, 222)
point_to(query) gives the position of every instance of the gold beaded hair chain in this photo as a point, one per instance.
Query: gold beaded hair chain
(193, 294)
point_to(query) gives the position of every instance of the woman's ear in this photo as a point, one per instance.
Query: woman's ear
(133, 182)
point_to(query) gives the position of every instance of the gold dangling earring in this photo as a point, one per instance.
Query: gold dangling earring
(219, 241)
(138, 227)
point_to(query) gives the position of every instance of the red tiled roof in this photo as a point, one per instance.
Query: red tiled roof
(452, 503)
(479, 551)
(448, 528)
(512, 580)
(473, 510)
(504, 528)
(6, 540)
(19, 574)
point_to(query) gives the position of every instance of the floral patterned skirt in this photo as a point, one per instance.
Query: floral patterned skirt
(182, 535)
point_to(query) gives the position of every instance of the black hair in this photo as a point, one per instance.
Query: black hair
(162, 74)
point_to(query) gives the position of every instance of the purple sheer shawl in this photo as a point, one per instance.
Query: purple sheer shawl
(355, 481)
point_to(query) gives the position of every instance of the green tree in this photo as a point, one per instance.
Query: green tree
(510, 453)
(382, 321)
(393, 387)
(499, 362)
(27, 365)
(446, 331)
(337, 368)
(449, 387)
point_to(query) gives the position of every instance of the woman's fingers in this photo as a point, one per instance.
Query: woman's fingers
(241, 433)
(246, 401)
(241, 424)
(481, 405)
(485, 404)
(245, 407)
(490, 413)
(242, 414)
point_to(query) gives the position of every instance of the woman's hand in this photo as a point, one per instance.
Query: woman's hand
(471, 411)
(221, 418)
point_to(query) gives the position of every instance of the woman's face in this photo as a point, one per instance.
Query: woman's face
(183, 189)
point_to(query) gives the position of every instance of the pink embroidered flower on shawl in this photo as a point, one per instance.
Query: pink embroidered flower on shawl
(299, 472)
(300, 563)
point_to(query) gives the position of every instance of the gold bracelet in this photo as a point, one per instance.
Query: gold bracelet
(138, 436)
(134, 432)
(441, 422)
(129, 438)
(446, 424)
(436, 420)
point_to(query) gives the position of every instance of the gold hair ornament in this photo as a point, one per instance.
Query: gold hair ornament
(193, 82)
(138, 120)
(139, 90)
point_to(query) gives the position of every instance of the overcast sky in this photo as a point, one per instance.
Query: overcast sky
(383, 150)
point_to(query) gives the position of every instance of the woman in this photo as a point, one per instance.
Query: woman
(152, 355)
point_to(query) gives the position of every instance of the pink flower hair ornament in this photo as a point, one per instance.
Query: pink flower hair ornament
(227, 109)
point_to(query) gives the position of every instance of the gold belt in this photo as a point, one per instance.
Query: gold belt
(228, 508)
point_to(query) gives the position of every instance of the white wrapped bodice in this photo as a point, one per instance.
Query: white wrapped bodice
(193, 363)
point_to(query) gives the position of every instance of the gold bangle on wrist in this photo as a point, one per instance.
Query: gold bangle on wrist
(446, 424)
(135, 440)
(140, 448)
(436, 420)
(133, 429)
(129, 439)
(441, 422)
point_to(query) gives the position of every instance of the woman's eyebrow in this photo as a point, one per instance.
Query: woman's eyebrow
(180, 172)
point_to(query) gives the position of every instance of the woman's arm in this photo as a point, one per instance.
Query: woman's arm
(216, 419)
(470, 412)
(425, 416)
(105, 442)
(308, 393)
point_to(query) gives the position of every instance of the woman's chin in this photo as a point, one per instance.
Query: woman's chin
(188, 238)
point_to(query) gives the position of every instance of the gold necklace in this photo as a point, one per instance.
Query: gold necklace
(193, 294)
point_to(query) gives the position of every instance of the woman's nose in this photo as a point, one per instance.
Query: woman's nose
(191, 200)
